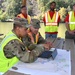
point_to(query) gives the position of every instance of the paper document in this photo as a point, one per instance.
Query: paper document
(61, 65)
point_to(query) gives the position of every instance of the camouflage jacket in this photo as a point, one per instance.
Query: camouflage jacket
(27, 41)
(15, 48)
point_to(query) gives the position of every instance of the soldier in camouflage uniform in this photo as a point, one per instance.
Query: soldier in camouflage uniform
(34, 39)
(12, 48)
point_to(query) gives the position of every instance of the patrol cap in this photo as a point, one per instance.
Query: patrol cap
(21, 22)
(35, 23)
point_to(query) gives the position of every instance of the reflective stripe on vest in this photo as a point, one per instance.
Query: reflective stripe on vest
(28, 17)
(71, 20)
(6, 63)
(48, 24)
(51, 24)
(52, 21)
(32, 38)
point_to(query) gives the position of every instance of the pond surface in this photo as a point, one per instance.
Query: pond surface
(5, 27)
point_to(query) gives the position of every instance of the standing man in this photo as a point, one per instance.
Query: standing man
(13, 50)
(24, 14)
(70, 24)
(51, 21)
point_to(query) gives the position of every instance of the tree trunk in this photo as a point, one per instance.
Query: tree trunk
(24, 2)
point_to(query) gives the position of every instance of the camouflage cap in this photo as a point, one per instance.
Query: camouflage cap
(35, 23)
(21, 21)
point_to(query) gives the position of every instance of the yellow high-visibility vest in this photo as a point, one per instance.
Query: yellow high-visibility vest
(32, 38)
(71, 20)
(51, 24)
(6, 63)
(28, 17)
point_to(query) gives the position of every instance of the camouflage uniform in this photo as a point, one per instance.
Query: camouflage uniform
(30, 45)
(15, 48)
(18, 49)
(36, 24)
(27, 41)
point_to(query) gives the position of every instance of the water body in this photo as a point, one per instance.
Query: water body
(5, 27)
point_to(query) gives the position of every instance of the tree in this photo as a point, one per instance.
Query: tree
(11, 8)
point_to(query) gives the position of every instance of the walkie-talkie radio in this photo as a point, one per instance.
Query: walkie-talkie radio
(51, 53)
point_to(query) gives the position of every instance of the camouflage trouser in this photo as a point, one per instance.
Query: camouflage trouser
(69, 36)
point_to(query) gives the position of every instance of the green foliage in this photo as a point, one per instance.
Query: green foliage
(3, 17)
(11, 8)
(62, 13)
(61, 5)
(17, 6)
(0, 12)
